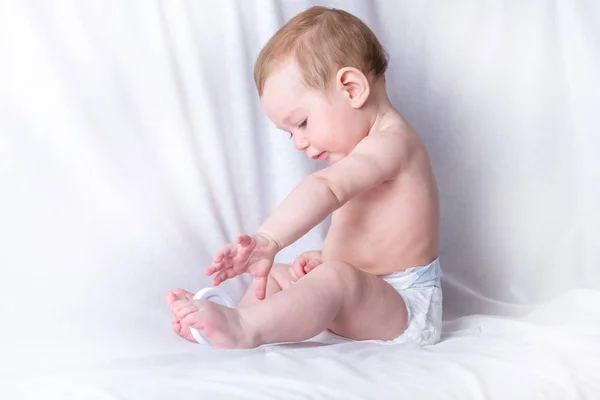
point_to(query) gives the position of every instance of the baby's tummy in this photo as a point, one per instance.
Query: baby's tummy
(380, 251)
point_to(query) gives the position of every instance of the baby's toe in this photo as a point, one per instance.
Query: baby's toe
(178, 294)
(193, 320)
(183, 308)
(170, 297)
(177, 327)
(184, 293)
(185, 333)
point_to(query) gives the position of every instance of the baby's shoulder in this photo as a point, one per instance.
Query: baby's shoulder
(394, 125)
(396, 135)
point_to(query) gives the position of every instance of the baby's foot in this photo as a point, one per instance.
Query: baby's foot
(178, 327)
(221, 326)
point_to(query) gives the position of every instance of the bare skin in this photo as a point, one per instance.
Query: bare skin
(382, 195)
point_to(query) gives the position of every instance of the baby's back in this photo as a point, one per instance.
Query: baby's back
(394, 226)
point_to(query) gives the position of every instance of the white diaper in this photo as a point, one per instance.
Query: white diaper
(420, 287)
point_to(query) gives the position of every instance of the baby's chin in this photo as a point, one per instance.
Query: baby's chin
(333, 158)
(337, 156)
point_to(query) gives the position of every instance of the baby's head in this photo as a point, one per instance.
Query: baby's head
(316, 77)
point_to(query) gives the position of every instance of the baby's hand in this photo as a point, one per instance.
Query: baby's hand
(251, 253)
(305, 263)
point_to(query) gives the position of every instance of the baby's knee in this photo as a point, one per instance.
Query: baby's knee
(280, 274)
(340, 274)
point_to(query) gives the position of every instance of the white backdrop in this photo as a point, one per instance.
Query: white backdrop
(132, 146)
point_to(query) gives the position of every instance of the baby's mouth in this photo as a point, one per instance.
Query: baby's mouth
(322, 156)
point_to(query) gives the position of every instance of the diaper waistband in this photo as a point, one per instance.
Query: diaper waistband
(428, 275)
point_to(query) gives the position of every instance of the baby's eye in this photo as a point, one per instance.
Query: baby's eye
(291, 135)
(303, 124)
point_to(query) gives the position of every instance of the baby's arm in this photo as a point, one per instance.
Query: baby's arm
(376, 159)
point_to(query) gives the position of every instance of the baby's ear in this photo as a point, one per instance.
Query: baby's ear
(354, 84)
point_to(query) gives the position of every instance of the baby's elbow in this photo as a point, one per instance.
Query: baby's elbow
(333, 192)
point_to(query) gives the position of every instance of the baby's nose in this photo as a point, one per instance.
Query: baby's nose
(301, 142)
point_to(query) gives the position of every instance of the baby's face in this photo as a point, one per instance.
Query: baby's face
(324, 128)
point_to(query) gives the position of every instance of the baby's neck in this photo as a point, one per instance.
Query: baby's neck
(379, 107)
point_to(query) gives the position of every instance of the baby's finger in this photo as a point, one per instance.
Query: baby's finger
(214, 267)
(243, 240)
(298, 265)
(223, 276)
(260, 287)
(221, 254)
(293, 274)
(311, 265)
(226, 252)
(246, 246)
(220, 278)
(297, 271)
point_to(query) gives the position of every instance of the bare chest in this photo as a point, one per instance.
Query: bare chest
(370, 209)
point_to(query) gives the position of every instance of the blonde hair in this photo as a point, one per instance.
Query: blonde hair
(321, 41)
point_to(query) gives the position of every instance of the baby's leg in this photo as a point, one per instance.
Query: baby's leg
(279, 279)
(337, 296)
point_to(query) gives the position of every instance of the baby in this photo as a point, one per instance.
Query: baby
(321, 78)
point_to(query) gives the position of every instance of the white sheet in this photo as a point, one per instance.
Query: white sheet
(132, 146)
(551, 354)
